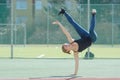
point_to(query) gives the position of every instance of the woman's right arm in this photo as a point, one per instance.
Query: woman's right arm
(64, 31)
(76, 57)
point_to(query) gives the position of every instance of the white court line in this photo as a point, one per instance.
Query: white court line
(40, 56)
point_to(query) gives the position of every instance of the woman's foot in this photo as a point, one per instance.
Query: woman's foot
(93, 11)
(62, 11)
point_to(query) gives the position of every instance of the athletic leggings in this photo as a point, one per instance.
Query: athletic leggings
(80, 30)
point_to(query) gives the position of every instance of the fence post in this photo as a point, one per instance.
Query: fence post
(88, 24)
(112, 25)
(11, 29)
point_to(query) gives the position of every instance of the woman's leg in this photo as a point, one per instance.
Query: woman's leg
(92, 32)
(82, 32)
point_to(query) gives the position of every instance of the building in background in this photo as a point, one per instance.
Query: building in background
(23, 11)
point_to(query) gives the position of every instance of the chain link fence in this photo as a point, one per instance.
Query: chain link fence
(39, 29)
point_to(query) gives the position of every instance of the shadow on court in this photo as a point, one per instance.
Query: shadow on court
(73, 78)
(69, 77)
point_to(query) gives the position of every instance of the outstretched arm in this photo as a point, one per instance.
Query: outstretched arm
(64, 31)
(76, 57)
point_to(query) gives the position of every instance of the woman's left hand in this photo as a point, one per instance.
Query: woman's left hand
(55, 22)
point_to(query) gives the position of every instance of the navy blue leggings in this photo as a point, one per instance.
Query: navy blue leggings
(81, 31)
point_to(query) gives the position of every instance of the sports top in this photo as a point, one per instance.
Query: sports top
(83, 43)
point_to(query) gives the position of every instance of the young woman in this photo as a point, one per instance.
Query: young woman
(87, 38)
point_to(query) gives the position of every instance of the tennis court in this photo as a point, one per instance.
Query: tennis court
(59, 69)
(30, 45)
(34, 62)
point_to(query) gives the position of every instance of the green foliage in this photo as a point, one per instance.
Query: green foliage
(4, 11)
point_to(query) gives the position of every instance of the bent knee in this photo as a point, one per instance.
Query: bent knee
(94, 39)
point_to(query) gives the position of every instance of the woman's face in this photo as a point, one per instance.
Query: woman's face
(66, 47)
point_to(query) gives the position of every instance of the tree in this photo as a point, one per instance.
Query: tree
(4, 11)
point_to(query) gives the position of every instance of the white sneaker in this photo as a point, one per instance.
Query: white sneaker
(93, 11)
